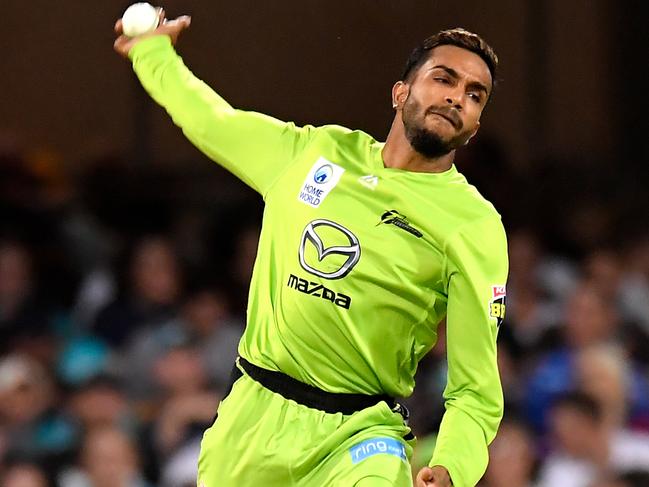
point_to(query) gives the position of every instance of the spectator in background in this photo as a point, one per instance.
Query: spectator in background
(81, 359)
(15, 283)
(242, 263)
(589, 320)
(97, 290)
(536, 291)
(626, 282)
(531, 266)
(204, 321)
(604, 270)
(4, 443)
(101, 402)
(606, 373)
(34, 427)
(632, 479)
(512, 457)
(188, 402)
(635, 479)
(511, 376)
(215, 331)
(154, 288)
(586, 448)
(615, 482)
(24, 475)
(635, 284)
(188, 406)
(24, 318)
(108, 458)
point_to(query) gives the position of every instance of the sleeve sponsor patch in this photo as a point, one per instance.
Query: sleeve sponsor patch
(497, 303)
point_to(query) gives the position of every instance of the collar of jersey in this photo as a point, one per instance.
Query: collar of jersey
(390, 172)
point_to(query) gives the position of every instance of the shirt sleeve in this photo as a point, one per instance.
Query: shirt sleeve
(254, 147)
(477, 269)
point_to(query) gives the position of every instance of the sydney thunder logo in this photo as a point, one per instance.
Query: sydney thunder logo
(393, 217)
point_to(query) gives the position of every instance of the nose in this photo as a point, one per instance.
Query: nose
(455, 103)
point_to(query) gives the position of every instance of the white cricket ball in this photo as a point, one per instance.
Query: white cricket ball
(139, 19)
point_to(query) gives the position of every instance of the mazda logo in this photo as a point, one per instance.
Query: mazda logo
(352, 249)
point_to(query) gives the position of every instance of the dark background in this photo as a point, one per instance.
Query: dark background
(568, 115)
(571, 71)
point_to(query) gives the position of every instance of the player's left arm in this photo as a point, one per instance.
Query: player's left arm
(477, 269)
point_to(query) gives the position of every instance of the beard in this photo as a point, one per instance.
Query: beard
(426, 142)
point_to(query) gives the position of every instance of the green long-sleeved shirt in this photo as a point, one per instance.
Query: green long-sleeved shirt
(357, 263)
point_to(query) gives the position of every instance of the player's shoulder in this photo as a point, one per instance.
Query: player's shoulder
(476, 206)
(340, 135)
(476, 219)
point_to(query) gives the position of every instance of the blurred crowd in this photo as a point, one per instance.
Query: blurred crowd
(122, 299)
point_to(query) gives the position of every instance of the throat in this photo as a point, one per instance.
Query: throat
(400, 153)
(407, 159)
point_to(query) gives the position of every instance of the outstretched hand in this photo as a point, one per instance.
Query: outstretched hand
(172, 28)
(436, 476)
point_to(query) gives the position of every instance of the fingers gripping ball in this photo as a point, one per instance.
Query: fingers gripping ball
(139, 19)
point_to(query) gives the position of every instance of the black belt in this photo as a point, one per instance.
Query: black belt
(309, 396)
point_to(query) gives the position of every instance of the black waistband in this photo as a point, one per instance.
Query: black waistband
(312, 397)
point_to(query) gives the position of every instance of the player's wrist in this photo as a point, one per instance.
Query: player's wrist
(150, 43)
(442, 476)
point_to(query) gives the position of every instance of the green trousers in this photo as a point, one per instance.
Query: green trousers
(262, 439)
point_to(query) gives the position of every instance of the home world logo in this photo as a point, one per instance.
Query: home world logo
(321, 179)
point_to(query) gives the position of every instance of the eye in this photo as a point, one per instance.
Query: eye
(442, 80)
(475, 97)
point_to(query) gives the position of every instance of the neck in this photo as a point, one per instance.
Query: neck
(599, 450)
(522, 482)
(399, 154)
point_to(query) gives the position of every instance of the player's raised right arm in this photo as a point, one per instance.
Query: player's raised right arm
(255, 147)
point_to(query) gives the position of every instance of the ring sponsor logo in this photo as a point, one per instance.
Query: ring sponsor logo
(377, 446)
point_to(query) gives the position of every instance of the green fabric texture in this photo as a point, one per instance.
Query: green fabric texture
(357, 263)
(260, 438)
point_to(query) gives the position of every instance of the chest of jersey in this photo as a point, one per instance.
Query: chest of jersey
(347, 232)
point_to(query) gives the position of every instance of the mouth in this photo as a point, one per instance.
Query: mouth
(449, 119)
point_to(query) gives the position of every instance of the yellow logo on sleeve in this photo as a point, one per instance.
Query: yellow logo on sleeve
(497, 304)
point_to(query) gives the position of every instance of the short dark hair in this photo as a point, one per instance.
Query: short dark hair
(452, 37)
(581, 402)
(635, 478)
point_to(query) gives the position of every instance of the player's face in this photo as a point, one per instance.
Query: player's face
(443, 102)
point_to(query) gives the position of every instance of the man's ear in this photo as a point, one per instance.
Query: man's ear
(400, 92)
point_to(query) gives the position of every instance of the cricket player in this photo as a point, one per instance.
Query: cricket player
(365, 247)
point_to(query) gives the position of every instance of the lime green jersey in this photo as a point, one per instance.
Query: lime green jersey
(357, 263)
